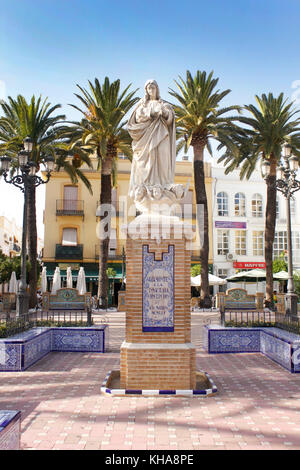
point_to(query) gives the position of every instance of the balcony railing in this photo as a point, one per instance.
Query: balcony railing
(69, 207)
(69, 252)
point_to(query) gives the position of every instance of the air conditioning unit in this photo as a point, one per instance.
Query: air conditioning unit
(229, 257)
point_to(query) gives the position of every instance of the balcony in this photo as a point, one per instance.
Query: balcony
(69, 207)
(69, 252)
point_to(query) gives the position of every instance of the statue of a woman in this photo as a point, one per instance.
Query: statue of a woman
(152, 128)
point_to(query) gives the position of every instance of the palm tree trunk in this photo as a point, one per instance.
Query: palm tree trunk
(202, 220)
(32, 244)
(270, 231)
(105, 222)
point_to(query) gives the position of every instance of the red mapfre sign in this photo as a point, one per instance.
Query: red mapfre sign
(245, 265)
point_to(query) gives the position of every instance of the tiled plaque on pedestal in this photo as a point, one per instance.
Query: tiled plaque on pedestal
(158, 291)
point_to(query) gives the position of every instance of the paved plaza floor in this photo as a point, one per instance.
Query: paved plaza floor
(257, 405)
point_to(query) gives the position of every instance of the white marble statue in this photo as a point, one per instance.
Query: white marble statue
(152, 128)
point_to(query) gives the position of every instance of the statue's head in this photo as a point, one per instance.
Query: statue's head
(157, 192)
(151, 86)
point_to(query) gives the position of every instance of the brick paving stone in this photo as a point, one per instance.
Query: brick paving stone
(257, 405)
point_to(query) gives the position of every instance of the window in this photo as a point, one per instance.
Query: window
(114, 198)
(70, 198)
(257, 206)
(277, 209)
(280, 244)
(258, 243)
(293, 207)
(240, 242)
(112, 242)
(223, 242)
(240, 205)
(223, 273)
(222, 202)
(69, 236)
(296, 247)
(296, 240)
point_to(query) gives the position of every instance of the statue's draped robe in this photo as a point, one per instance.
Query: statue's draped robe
(154, 145)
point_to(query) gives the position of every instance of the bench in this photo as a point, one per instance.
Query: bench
(21, 351)
(10, 429)
(66, 299)
(279, 345)
(239, 299)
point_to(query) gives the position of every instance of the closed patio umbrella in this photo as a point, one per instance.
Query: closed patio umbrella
(81, 282)
(13, 286)
(69, 277)
(56, 281)
(44, 280)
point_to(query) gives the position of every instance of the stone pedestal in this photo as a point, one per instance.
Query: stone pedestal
(157, 352)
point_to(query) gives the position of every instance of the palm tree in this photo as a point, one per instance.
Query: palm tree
(268, 127)
(37, 120)
(102, 132)
(199, 119)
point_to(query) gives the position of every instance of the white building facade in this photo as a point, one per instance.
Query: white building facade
(10, 236)
(239, 223)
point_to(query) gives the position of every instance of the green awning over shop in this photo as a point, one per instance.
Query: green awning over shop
(91, 273)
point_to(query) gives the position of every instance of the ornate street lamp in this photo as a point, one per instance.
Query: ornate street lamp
(287, 184)
(25, 178)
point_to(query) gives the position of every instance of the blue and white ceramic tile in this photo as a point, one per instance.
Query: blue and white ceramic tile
(158, 291)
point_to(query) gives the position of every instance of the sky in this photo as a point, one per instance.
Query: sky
(48, 47)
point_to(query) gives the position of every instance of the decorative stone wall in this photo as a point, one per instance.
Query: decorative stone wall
(157, 352)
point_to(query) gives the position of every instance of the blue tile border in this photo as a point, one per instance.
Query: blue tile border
(10, 429)
(7, 417)
(146, 393)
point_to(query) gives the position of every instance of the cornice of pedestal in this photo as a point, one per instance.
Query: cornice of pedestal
(158, 227)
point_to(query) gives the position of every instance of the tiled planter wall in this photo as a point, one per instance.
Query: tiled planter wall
(19, 352)
(279, 345)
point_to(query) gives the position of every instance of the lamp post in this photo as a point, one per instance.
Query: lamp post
(25, 178)
(287, 184)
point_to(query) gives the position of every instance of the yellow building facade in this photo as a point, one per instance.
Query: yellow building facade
(70, 221)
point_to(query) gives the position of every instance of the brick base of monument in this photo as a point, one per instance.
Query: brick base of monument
(155, 367)
(157, 352)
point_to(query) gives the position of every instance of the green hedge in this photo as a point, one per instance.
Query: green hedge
(19, 327)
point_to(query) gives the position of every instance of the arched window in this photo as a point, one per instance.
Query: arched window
(257, 205)
(240, 205)
(222, 202)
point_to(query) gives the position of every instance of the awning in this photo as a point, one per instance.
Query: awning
(91, 275)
